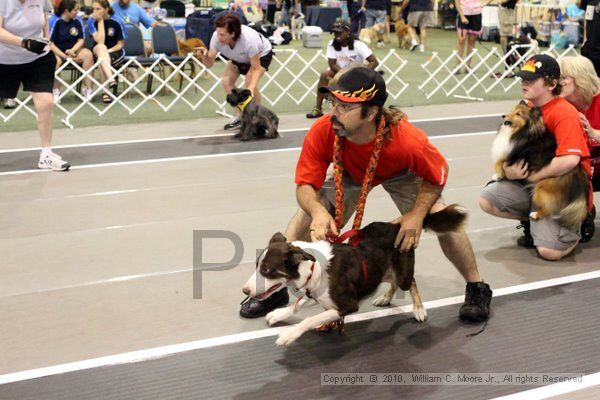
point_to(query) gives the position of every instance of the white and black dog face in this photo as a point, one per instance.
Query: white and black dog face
(275, 268)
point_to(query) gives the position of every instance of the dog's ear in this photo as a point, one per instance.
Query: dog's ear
(297, 255)
(523, 102)
(278, 238)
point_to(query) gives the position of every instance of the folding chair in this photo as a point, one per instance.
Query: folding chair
(164, 41)
(134, 48)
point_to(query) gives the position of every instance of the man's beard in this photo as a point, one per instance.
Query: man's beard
(342, 132)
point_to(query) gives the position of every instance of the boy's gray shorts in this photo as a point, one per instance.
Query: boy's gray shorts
(515, 197)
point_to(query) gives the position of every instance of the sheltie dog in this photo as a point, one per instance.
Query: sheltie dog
(523, 136)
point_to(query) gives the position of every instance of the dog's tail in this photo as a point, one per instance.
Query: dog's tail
(450, 219)
(574, 213)
(563, 196)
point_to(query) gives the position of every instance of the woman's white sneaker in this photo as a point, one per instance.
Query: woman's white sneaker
(87, 93)
(54, 162)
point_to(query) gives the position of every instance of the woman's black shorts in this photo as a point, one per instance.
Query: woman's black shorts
(265, 61)
(36, 76)
(473, 27)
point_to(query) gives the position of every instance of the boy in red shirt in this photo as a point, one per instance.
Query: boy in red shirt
(371, 145)
(511, 197)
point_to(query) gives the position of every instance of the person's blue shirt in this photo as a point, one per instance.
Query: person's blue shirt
(64, 34)
(113, 31)
(132, 14)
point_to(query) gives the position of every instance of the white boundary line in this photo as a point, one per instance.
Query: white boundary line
(554, 389)
(205, 156)
(68, 146)
(454, 118)
(142, 355)
(166, 139)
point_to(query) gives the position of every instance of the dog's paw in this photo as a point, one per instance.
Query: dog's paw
(288, 337)
(382, 301)
(278, 315)
(420, 313)
(533, 215)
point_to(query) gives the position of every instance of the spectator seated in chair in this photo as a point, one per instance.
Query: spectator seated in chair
(66, 41)
(109, 40)
(128, 12)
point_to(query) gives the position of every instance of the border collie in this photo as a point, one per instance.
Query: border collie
(338, 276)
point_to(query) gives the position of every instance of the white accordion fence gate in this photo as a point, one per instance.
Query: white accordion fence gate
(292, 77)
(483, 71)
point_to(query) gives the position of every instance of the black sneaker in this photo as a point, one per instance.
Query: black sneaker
(234, 123)
(526, 240)
(588, 227)
(476, 307)
(252, 308)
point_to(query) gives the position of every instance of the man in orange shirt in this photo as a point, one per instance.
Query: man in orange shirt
(371, 145)
(511, 198)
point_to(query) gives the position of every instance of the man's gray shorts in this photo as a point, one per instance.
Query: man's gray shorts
(420, 19)
(402, 188)
(374, 17)
(515, 197)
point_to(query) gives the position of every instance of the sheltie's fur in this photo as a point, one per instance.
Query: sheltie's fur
(523, 136)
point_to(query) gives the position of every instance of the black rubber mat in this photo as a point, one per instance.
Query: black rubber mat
(126, 152)
(550, 330)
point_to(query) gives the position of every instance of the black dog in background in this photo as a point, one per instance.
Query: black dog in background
(257, 120)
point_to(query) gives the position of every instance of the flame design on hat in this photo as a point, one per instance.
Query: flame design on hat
(531, 66)
(359, 95)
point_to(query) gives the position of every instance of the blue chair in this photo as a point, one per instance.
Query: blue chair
(164, 41)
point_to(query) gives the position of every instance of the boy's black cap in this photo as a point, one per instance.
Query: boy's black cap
(539, 66)
(359, 85)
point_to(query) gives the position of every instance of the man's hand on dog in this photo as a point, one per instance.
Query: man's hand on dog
(517, 171)
(410, 231)
(321, 224)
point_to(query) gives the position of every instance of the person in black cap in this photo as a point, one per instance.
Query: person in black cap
(342, 51)
(511, 197)
(370, 145)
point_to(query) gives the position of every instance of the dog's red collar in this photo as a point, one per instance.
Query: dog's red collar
(365, 275)
(353, 236)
